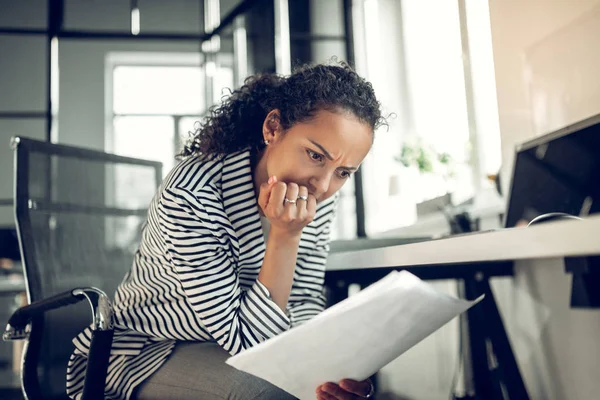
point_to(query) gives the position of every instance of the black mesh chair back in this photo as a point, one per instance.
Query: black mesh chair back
(79, 216)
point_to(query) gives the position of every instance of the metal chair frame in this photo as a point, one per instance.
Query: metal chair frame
(27, 322)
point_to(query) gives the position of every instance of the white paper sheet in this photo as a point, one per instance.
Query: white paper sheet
(354, 338)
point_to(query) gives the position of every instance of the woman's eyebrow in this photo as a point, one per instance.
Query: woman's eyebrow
(328, 156)
(323, 150)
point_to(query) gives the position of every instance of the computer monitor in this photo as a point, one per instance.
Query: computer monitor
(557, 172)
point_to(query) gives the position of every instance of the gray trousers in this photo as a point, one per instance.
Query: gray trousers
(197, 370)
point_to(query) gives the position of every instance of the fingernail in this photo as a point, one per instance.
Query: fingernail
(271, 179)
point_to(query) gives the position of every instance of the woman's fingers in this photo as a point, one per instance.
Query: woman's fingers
(301, 204)
(288, 206)
(322, 395)
(311, 207)
(289, 202)
(275, 205)
(265, 192)
(361, 388)
(337, 392)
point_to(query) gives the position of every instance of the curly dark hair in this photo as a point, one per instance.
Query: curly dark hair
(236, 124)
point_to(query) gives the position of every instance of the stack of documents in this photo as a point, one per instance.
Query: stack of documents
(354, 338)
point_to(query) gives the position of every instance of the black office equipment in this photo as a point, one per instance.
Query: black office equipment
(557, 173)
(557, 176)
(79, 215)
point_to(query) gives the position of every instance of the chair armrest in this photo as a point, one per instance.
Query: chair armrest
(101, 311)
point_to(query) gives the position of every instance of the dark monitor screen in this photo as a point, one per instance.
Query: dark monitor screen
(557, 172)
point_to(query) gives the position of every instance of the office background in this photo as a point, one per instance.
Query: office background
(466, 81)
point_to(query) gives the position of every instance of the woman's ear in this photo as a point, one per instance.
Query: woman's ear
(271, 125)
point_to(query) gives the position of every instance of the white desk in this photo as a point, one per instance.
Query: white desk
(549, 240)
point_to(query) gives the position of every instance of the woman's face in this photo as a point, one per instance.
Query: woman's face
(320, 154)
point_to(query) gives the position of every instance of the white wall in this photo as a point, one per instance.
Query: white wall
(518, 27)
(547, 49)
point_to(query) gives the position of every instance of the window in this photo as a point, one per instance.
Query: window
(444, 137)
(153, 102)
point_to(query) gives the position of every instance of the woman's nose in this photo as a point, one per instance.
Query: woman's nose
(320, 184)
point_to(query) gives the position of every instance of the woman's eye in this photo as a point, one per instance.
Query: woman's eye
(315, 156)
(344, 174)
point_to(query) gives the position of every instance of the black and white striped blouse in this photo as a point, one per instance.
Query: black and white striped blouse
(194, 276)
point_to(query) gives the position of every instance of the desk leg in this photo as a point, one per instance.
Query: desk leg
(482, 379)
(496, 374)
(338, 291)
(512, 378)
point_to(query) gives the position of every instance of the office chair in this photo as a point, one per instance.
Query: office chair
(79, 215)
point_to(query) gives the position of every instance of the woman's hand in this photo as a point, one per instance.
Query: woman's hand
(347, 389)
(286, 216)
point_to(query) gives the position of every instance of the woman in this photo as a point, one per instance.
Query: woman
(234, 249)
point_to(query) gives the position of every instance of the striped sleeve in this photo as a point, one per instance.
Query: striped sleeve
(307, 298)
(196, 240)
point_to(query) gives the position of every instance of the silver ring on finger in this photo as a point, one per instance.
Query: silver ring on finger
(286, 200)
(305, 198)
(371, 391)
